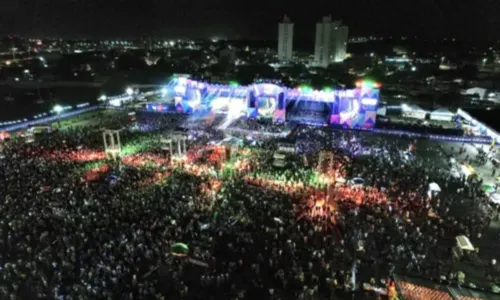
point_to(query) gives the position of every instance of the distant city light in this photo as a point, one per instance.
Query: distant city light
(58, 109)
(413, 69)
(129, 91)
(82, 105)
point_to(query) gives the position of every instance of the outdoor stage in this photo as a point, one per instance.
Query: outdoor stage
(349, 108)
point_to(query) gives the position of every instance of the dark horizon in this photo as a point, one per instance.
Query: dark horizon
(463, 20)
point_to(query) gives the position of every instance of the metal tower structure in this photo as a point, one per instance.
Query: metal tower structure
(112, 144)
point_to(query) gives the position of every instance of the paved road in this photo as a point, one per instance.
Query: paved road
(471, 151)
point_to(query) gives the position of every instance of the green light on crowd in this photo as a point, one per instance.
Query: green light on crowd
(305, 88)
(368, 84)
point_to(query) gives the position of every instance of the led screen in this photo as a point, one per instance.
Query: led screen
(303, 111)
(266, 106)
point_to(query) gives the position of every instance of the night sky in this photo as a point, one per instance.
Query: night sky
(462, 19)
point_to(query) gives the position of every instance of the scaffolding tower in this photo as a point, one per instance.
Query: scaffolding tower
(112, 144)
(175, 145)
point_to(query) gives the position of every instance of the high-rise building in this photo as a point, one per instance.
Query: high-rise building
(285, 40)
(331, 42)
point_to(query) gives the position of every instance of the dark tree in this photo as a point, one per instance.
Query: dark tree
(468, 72)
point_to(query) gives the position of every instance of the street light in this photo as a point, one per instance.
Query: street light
(103, 98)
(58, 109)
(129, 91)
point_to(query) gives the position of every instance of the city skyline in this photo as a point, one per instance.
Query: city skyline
(130, 18)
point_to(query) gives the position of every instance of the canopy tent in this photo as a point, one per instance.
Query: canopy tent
(279, 156)
(179, 249)
(442, 114)
(279, 163)
(464, 243)
(341, 180)
(434, 187)
(413, 111)
(382, 111)
(357, 181)
(481, 92)
(287, 147)
(495, 198)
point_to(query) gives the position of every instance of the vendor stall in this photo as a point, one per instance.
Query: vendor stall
(442, 114)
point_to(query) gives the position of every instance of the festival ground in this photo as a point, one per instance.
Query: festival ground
(350, 209)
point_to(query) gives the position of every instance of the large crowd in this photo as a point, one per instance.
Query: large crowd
(64, 237)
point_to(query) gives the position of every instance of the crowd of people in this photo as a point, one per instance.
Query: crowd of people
(64, 237)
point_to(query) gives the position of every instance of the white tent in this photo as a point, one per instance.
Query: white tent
(442, 114)
(279, 156)
(357, 181)
(476, 90)
(279, 163)
(413, 111)
(341, 180)
(434, 187)
(382, 111)
(464, 243)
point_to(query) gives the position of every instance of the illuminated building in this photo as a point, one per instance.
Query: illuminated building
(331, 42)
(285, 40)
